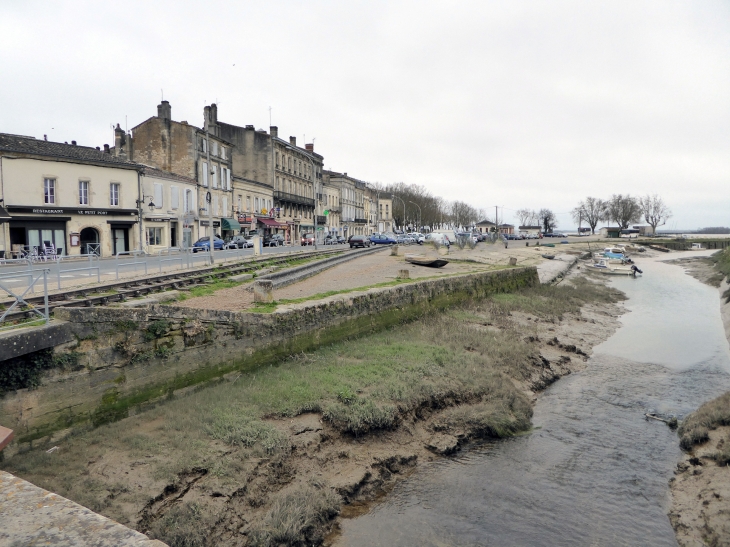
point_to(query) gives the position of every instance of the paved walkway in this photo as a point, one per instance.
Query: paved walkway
(32, 516)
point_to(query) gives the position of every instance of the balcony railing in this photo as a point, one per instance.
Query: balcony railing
(293, 198)
(361, 221)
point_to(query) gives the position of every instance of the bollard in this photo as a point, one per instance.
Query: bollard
(394, 250)
(263, 291)
(404, 274)
(257, 245)
(512, 261)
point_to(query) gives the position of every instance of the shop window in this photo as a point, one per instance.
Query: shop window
(154, 236)
(114, 194)
(83, 192)
(49, 191)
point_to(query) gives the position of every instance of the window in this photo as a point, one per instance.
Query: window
(214, 148)
(228, 179)
(216, 211)
(174, 197)
(256, 202)
(83, 192)
(225, 206)
(205, 174)
(223, 152)
(114, 194)
(154, 236)
(240, 202)
(277, 160)
(214, 173)
(188, 200)
(158, 196)
(205, 146)
(248, 203)
(49, 191)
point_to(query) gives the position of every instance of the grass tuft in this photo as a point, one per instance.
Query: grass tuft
(695, 428)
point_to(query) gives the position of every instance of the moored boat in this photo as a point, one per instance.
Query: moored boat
(423, 260)
(603, 266)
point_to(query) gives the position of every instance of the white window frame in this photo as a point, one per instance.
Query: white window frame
(114, 191)
(83, 192)
(214, 174)
(49, 191)
(154, 235)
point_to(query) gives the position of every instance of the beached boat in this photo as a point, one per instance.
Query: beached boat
(697, 247)
(603, 266)
(422, 260)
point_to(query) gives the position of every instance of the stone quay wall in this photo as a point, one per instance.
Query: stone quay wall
(121, 360)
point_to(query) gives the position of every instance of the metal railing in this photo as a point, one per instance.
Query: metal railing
(20, 298)
(133, 262)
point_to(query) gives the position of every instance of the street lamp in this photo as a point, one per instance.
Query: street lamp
(419, 215)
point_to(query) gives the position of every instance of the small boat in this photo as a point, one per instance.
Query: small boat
(548, 245)
(605, 267)
(697, 247)
(549, 257)
(422, 260)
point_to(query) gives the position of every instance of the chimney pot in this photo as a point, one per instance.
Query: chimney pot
(73, 143)
(45, 137)
(309, 147)
(293, 141)
(98, 148)
(106, 149)
(164, 110)
(250, 127)
(274, 130)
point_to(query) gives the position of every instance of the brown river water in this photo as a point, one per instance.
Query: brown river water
(594, 471)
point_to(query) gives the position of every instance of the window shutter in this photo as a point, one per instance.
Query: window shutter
(205, 174)
(225, 206)
(214, 172)
(215, 205)
(158, 196)
(174, 197)
(228, 178)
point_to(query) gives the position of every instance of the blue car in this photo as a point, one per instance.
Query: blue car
(203, 244)
(380, 239)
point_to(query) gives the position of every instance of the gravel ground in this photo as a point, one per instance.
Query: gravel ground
(365, 271)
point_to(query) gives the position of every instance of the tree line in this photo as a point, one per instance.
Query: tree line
(622, 210)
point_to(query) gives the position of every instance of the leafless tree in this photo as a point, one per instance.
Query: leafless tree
(592, 210)
(623, 210)
(547, 220)
(655, 212)
(525, 216)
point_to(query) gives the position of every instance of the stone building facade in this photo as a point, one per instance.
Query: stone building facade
(68, 198)
(198, 154)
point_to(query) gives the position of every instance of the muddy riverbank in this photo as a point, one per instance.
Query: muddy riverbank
(275, 456)
(701, 488)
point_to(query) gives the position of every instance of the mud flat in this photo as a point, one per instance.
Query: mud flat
(701, 486)
(273, 457)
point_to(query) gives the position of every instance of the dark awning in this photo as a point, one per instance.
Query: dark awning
(230, 224)
(270, 222)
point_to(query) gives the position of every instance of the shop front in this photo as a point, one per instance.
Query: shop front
(230, 227)
(204, 231)
(70, 231)
(271, 226)
(157, 233)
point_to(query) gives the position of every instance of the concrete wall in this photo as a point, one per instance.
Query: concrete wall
(128, 358)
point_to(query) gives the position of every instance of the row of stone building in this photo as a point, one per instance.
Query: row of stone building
(164, 182)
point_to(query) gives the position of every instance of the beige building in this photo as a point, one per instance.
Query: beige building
(169, 210)
(330, 203)
(352, 202)
(74, 199)
(385, 213)
(197, 154)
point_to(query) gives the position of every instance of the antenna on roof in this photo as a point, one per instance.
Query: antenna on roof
(162, 94)
(269, 116)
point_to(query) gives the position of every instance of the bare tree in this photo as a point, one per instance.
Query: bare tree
(525, 216)
(592, 210)
(547, 220)
(623, 210)
(655, 212)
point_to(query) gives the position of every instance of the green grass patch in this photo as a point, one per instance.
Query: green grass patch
(695, 428)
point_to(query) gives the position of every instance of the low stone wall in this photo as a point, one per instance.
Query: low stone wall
(124, 359)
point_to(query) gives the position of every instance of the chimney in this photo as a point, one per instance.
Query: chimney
(214, 114)
(106, 149)
(309, 147)
(274, 130)
(119, 142)
(164, 110)
(98, 148)
(293, 141)
(73, 143)
(45, 137)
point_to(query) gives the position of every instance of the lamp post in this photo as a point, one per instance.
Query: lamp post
(419, 215)
(140, 202)
(208, 199)
(314, 191)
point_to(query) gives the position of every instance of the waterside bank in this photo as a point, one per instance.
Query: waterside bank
(232, 464)
(701, 487)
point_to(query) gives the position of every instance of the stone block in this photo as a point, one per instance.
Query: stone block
(404, 274)
(394, 250)
(263, 291)
(241, 277)
(512, 261)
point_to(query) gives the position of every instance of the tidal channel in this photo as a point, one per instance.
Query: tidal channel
(594, 471)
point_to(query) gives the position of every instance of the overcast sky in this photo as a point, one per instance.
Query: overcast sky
(517, 104)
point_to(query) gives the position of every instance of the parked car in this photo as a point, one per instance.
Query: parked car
(408, 239)
(307, 239)
(273, 240)
(468, 235)
(341, 239)
(438, 238)
(359, 241)
(330, 240)
(240, 241)
(380, 239)
(203, 244)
